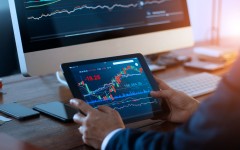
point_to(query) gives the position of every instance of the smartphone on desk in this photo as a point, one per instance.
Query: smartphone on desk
(57, 110)
(18, 111)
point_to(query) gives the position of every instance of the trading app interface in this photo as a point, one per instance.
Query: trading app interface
(50, 19)
(122, 85)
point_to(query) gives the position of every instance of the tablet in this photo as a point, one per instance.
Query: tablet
(123, 83)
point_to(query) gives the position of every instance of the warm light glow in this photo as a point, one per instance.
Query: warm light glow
(230, 20)
(231, 26)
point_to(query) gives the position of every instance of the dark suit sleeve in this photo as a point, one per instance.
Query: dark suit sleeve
(215, 125)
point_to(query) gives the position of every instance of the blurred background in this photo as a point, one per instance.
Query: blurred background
(202, 15)
(210, 19)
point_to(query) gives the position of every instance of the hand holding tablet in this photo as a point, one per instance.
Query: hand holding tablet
(122, 83)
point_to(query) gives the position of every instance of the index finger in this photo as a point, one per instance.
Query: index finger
(81, 105)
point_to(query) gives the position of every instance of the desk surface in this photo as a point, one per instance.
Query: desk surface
(49, 133)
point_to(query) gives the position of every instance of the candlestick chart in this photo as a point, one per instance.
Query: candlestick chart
(122, 85)
(123, 88)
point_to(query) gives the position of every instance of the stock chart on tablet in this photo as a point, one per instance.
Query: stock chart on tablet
(122, 85)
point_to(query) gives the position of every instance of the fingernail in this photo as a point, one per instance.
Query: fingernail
(75, 117)
(73, 101)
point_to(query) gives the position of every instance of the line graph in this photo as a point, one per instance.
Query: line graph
(40, 3)
(128, 97)
(132, 102)
(107, 7)
(137, 104)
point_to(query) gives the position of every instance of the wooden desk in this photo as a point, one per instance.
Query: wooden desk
(49, 133)
(9, 143)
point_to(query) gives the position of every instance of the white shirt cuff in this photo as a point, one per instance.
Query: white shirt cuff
(108, 137)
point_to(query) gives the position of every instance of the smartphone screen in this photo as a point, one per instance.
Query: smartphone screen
(57, 110)
(18, 111)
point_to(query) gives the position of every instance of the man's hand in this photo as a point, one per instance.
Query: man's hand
(181, 105)
(96, 124)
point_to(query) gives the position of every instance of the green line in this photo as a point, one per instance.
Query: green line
(38, 1)
(43, 4)
(87, 88)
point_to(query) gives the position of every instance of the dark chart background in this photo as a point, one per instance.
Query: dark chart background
(124, 87)
(49, 19)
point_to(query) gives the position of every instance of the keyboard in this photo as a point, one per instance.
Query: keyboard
(196, 85)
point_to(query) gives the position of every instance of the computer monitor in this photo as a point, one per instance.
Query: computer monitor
(51, 32)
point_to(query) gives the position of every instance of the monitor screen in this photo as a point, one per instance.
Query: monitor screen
(46, 24)
(59, 31)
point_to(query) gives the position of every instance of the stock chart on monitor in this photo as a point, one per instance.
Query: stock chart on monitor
(122, 85)
(49, 19)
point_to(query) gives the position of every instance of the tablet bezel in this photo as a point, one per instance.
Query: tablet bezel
(162, 111)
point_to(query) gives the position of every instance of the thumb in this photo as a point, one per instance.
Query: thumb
(105, 109)
(161, 94)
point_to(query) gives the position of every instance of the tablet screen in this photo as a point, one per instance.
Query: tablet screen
(122, 84)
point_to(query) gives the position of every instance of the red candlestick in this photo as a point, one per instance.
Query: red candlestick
(1, 84)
